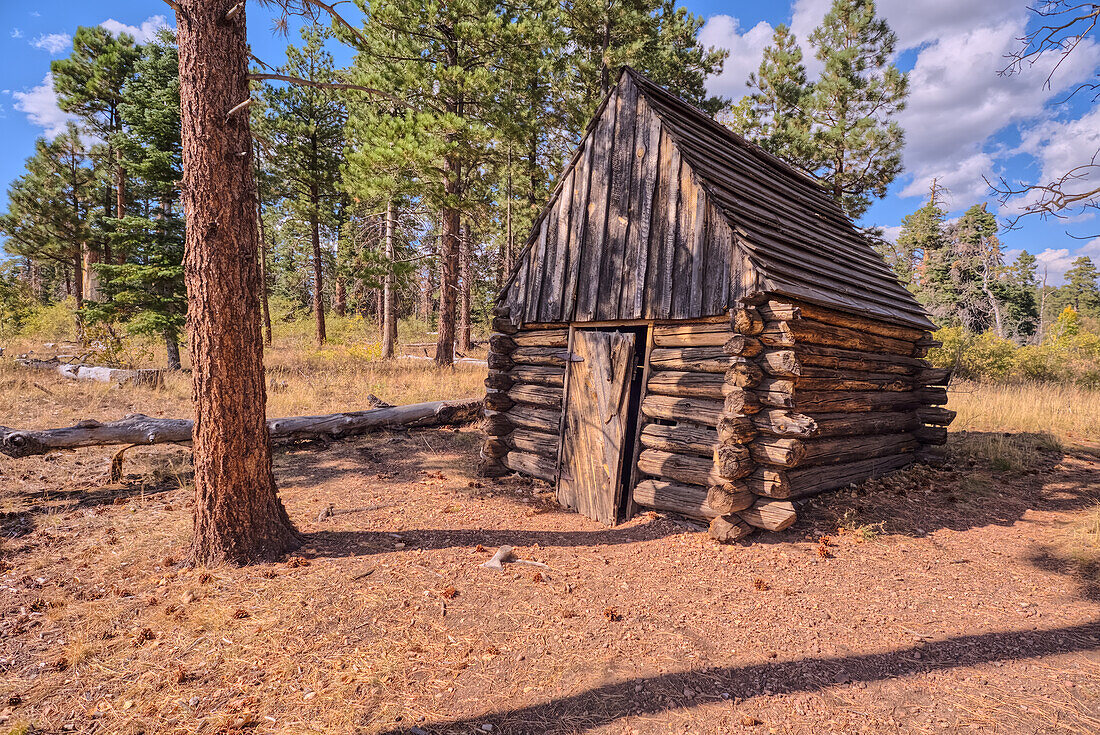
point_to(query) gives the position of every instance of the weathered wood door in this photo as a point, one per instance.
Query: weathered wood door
(600, 371)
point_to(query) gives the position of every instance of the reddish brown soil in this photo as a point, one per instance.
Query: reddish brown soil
(976, 609)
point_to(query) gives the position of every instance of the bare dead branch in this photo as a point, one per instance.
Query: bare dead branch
(1065, 25)
(176, 7)
(312, 10)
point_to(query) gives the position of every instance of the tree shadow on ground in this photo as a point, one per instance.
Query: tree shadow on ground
(401, 454)
(83, 498)
(639, 697)
(366, 543)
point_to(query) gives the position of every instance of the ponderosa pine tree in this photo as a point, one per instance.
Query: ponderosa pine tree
(238, 516)
(305, 128)
(441, 62)
(1082, 291)
(656, 37)
(147, 290)
(89, 84)
(774, 114)
(48, 215)
(924, 258)
(977, 270)
(1021, 289)
(853, 104)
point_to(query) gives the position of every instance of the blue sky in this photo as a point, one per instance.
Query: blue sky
(963, 121)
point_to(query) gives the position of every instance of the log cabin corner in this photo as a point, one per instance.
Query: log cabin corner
(694, 326)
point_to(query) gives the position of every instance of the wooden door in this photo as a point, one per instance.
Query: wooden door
(594, 431)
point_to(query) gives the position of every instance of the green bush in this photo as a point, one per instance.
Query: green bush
(1068, 356)
(52, 323)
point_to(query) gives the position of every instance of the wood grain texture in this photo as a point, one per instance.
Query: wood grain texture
(595, 423)
(687, 500)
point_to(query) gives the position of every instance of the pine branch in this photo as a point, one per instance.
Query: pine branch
(329, 85)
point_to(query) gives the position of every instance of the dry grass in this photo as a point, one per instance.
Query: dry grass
(1066, 412)
(300, 382)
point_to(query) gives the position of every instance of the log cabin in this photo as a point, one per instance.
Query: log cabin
(694, 326)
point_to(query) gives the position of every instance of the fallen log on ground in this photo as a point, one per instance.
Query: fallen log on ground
(149, 377)
(137, 429)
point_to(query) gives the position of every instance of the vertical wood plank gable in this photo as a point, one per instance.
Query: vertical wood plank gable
(683, 261)
(718, 266)
(699, 285)
(642, 190)
(556, 253)
(575, 245)
(618, 205)
(667, 258)
(537, 262)
(595, 230)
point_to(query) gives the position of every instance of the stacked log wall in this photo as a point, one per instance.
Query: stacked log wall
(523, 400)
(843, 398)
(686, 466)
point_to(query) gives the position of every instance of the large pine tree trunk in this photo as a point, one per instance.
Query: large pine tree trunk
(172, 347)
(464, 326)
(238, 516)
(448, 260)
(318, 276)
(264, 287)
(389, 297)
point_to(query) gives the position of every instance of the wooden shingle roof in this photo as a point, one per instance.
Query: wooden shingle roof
(664, 213)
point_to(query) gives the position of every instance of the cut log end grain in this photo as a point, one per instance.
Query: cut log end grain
(736, 429)
(732, 461)
(741, 401)
(501, 343)
(729, 528)
(730, 497)
(935, 416)
(744, 375)
(741, 346)
(746, 320)
(504, 325)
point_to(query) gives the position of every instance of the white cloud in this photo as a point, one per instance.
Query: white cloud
(55, 43)
(746, 50)
(40, 107)
(143, 33)
(1053, 263)
(891, 233)
(16, 33)
(958, 103)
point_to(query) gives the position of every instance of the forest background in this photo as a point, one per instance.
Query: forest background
(386, 213)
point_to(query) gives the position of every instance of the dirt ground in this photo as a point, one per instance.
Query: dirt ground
(960, 599)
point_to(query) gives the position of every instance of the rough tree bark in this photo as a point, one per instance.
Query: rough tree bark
(464, 325)
(448, 260)
(389, 305)
(318, 271)
(238, 516)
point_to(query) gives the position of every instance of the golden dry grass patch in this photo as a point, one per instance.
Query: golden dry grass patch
(1064, 411)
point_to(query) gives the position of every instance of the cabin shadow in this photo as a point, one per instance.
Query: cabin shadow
(649, 696)
(989, 478)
